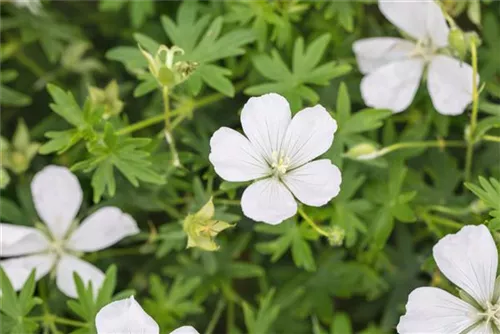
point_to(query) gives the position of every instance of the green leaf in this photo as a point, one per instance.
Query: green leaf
(489, 193)
(306, 70)
(66, 106)
(365, 120)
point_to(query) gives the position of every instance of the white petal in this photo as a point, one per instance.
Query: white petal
(20, 240)
(432, 310)
(372, 53)
(268, 201)
(125, 316)
(315, 183)
(469, 259)
(420, 19)
(103, 228)
(69, 264)
(450, 85)
(264, 120)
(393, 86)
(185, 330)
(309, 135)
(57, 196)
(234, 158)
(19, 269)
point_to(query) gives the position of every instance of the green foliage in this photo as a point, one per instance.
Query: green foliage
(77, 91)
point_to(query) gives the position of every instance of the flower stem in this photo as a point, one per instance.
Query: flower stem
(312, 223)
(221, 304)
(140, 125)
(168, 127)
(495, 139)
(473, 120)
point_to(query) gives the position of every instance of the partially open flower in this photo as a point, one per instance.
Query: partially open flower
(202, 229)
(162, 66)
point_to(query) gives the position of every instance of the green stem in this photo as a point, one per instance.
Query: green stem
(475, 107)
(30, 64)
(416, 144)
(168, 128)
(114, 252)
(47, 318)
(312, 223)
(230, 317)
(221, 304)
(140, 125)
(495, 139)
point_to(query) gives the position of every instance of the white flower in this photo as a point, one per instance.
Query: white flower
(469, 259)
(276, 152)
(57, 197)
(393, 67)
(126, 316)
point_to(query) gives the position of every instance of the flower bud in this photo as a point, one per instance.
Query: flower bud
(201, 229)
(18, 155)
(336, 235)
(458, 42)
(364, 151)
(4, 178)
(109, 98)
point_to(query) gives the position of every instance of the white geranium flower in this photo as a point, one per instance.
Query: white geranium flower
(57, 197)
(126, 316)
(469, 259)
(276, 152)
(393, 67)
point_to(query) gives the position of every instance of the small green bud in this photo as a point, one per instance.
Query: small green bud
(201, 229)
(4, 178)
(18, 155)
(458, 42)
(364, 151)
(165, 76)
(109, 98)
(336, 235)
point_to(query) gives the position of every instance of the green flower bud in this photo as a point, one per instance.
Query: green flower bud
(201, 229)
(458, 42)
(364, 151)
(17, 156)
(4, 178)
(336, 235)
(109, 98)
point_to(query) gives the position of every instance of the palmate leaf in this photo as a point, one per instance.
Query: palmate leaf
(125, 154)
(203, 42)
(489, 193)
(261, 320)
(306, 70)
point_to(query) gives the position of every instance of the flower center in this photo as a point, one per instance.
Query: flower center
(57, 247)
(492, 315)
(424, 49)
(279, 163)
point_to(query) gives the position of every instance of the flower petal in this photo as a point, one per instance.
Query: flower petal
(103, 228)
(18, 240)
(393, 86)
(264, 120)
(69, 264)
(57, 196)
(420, 19)
(19, 269)
(185, 330)
(315, 183)
(372, 53)
(268, 201)
(469, 259)
(432, 310)
(125, 316)
(309, 135)
(450, 85)
(234, 158)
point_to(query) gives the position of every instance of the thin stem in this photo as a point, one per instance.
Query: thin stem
(166, 107)
(475, 108)
(168, 128)
(114, 252)
(230, 317)
(221, 304)
(312, 223)
(63, 321)
(495, 139)
(140, 125)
